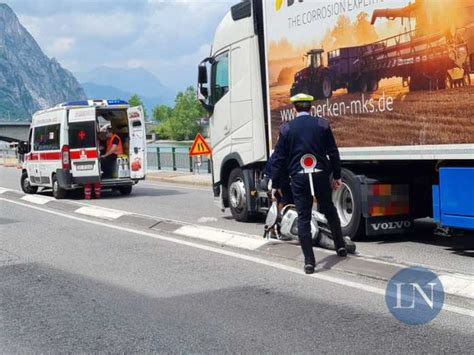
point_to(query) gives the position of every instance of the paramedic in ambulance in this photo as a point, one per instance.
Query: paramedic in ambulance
(113, 148)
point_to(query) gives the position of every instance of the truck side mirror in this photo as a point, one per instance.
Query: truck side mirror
(202, 73)
(204, 91)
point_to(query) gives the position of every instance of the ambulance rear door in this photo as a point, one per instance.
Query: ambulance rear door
(83, 150)
(137, 151)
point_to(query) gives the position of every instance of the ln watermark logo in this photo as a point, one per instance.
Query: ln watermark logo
(414, 295)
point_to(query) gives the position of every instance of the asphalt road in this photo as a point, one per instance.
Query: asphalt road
(195, 205)
(71, 286)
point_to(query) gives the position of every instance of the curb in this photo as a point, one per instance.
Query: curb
(178, 181)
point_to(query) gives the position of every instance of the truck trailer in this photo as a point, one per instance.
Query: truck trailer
(406, 154)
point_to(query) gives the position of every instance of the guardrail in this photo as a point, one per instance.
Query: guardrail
(8, 157)
(176, 159)
(159, 158)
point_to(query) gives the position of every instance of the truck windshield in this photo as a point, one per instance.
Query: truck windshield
(82, 135)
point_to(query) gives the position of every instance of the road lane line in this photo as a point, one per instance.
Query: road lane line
(38, 200)
(370, 258)
(460, 285)
(3, 190)
(100, 212)
(319, 276)
(221, 237)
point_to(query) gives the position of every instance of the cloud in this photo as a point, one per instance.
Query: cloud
(60, 46)
(168, 38)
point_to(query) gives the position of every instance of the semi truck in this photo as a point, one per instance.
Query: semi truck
(408, 160)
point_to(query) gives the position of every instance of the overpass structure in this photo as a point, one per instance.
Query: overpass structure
(14, 131)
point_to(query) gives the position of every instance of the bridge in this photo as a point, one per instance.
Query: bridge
(14, 131)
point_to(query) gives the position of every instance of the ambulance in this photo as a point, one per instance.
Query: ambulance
(65, 142)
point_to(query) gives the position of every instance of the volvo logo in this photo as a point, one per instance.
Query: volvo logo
(391, 225)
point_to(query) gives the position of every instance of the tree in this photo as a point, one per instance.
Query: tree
(136, 100)
(182, 121)
(161, 113)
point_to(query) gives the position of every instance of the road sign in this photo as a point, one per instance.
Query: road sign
(199, 147)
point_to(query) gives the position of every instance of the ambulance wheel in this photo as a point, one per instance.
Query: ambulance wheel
(125, 190)
(58, 192)
(26, 185)
(237, 196)
(348, 202)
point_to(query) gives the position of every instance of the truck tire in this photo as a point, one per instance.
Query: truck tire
(237, 195)
(125, 190)
(58, 192)
(348, 202)
(26, 185)
(324, 87)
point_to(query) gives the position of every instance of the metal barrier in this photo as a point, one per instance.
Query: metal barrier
(176, 159)
(159, 158)
(8, 156)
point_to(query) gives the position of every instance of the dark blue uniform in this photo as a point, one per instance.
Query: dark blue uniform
(307, 134)
(283, 183)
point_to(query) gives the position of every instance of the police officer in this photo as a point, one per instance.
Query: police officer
(309, 135)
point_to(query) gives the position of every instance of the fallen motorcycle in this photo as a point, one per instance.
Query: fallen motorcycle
(283, 225)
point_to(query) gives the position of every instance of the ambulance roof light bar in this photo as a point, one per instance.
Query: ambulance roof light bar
(90, 103)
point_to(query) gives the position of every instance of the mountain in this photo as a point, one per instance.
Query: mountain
(29, 80)
(96, 91)
(104, 80)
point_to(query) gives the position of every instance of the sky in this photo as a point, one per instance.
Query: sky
(166, 37)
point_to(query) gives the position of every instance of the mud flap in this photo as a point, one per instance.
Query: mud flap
(389, 225)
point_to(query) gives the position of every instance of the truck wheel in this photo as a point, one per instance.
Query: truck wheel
(324, 89)
(26, 185)
(125, 190)
(237, 195)
(58, 192)
(348, 202)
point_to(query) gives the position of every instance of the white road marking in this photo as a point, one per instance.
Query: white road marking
(100, 212)
(39, 200)
(320, 276)
(221, 237)
(3, 190)
(207, 219)
(460, 285)
(369, 258)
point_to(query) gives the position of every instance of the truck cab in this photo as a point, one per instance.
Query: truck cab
(230, 88)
